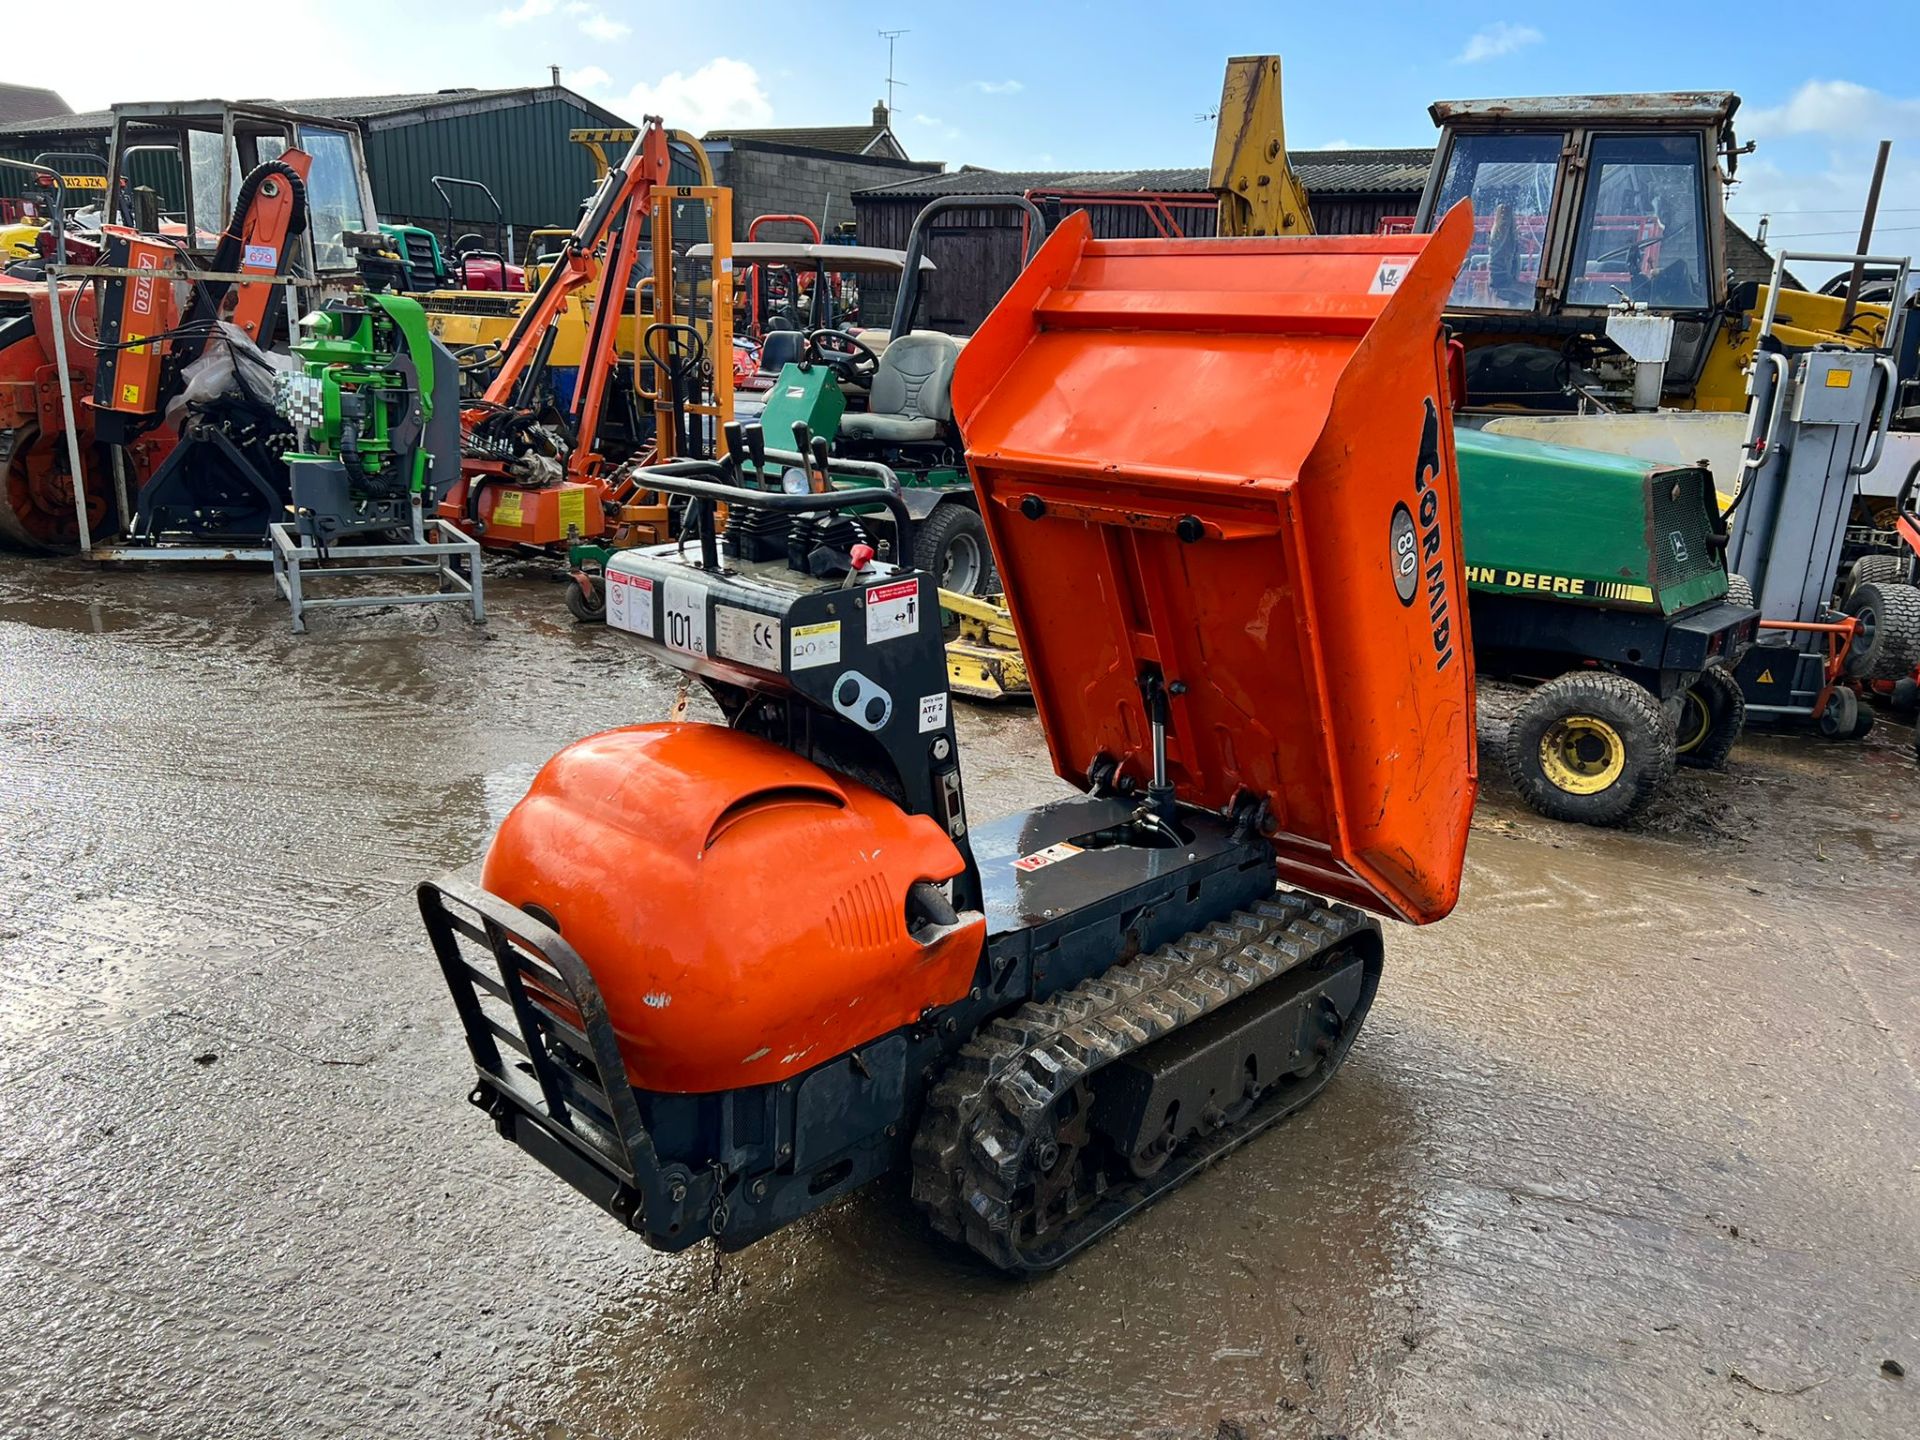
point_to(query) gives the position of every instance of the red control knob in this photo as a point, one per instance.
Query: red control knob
(861, 555)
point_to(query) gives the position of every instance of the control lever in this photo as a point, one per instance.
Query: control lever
(735, 442)
(756, 437)
(824, 461)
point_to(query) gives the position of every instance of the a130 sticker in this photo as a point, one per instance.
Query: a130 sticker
(812, 645)
(746, 636)
(893, 610)
(684, 617)
(630, 603)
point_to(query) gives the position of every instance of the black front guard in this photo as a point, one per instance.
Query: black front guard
(559, 1090)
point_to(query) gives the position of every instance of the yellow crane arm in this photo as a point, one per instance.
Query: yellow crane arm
(1259, 194)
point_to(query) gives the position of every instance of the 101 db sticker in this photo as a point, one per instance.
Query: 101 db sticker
(685, 617)
(893, 610)
(630, 603)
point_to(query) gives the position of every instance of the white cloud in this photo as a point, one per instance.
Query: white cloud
(723, 92)
(998, 87)
(600, 26)
(1495, 40)
(935, 124)
(1838, 108)
(587, 79)
(577, 7)
(525, 11)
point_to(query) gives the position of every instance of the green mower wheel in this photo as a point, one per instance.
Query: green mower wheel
(1713, 712)
(951, 545)
(1873, 570)
(1590, 747)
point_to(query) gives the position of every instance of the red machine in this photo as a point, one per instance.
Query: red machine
(719, 974)
(126, 343)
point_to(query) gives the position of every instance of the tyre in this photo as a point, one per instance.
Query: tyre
(1842, 716)
(1713, 712)
(1873, 570)
(951, 545)
(586, 600)
(1887, 646)
(1590, 747)
(1739, 592)
(1905, 698)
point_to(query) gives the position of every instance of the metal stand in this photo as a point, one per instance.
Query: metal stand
(420, 557)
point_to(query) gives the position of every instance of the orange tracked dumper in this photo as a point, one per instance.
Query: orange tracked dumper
(718, 975)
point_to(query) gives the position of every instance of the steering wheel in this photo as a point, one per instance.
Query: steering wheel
(472, 240)
(846, 355)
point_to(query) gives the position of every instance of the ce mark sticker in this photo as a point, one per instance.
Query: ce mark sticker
(747, 636)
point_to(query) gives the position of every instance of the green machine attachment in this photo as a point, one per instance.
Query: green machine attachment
(1601, 581)
(376, 404)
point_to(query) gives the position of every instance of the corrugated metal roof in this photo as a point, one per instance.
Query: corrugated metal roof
(1329, 172)
(366, 108)
(841, 139)
(29, 102)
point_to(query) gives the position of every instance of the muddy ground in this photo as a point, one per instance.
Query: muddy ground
(1627, 1148)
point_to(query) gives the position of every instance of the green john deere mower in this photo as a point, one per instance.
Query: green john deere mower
(1601, 581)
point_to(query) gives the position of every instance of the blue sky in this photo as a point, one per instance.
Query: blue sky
(1087, 85)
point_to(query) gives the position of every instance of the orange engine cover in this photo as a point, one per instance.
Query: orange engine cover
(1230, 463)
(515, 515)
(743, 911)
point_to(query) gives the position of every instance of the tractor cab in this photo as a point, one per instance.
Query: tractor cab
(1598, 220)
(178, 168)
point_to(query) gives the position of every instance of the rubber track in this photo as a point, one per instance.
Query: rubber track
(986, 1109)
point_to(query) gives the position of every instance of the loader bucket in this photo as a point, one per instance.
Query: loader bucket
(1228, 464)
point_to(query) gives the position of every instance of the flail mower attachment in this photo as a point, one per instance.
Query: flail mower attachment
(717, 976)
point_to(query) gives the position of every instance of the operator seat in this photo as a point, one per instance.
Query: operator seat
(911, 398)
(781, 348)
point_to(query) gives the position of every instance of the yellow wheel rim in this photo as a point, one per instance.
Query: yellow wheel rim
(1695, 722)
(1582, 755)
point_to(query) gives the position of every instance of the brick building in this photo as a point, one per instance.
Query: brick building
(812, 171)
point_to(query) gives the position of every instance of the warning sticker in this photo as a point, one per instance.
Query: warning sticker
(893, 610)
(1392, 270)
(685, 617)
(746, 636)
(261, 257)
(811, 645)
(573, 511)
(933, 712)
(630, 603)
(1052, 855)
(506, 508)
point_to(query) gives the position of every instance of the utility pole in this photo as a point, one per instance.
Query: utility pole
(891, 37)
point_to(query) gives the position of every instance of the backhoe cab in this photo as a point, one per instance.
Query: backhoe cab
(1586, 209)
